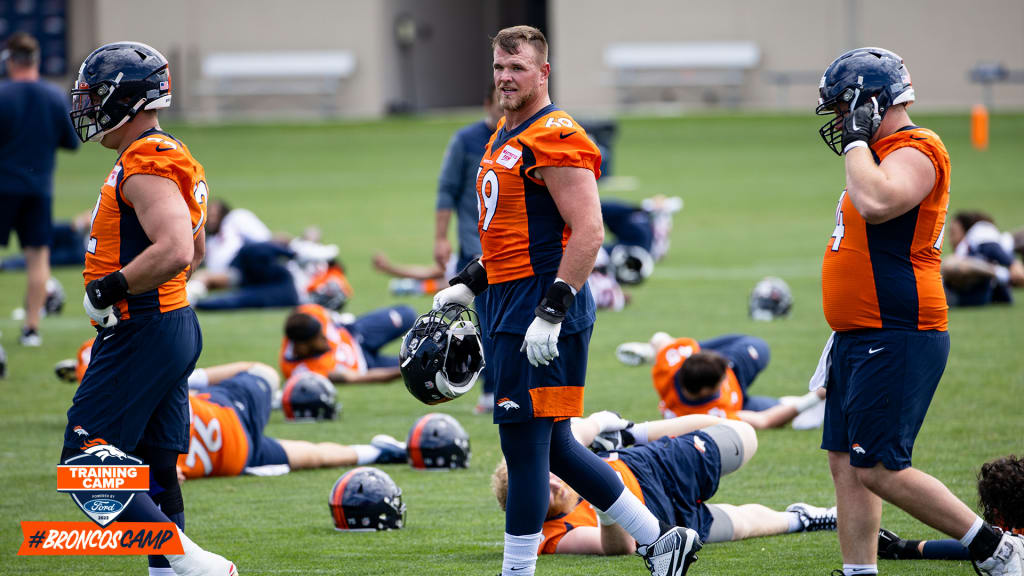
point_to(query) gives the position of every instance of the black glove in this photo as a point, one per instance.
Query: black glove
(860, 123)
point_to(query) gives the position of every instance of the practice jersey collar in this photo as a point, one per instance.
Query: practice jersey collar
(505, 135)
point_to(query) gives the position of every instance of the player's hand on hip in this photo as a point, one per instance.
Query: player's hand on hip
(100, 296)
(105, 317)
(541, 342)
(860, 123)
(458, 294)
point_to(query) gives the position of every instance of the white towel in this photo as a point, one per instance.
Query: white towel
(820, 377)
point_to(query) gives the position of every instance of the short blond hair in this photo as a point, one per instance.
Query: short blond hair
(511, 39)
(499, 483)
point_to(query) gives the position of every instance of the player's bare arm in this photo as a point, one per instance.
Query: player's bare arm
(442, 246)
(342, 375)
(881, 192)
(611, 540)
(199, 252)
(574, 191)
(165, 218)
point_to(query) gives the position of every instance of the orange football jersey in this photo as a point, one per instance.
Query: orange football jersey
(217, 445)
(668, 362)
(117, 236)
(521, 230)
(83, 357)
(344, 349)
(887, 275)
(583, 514)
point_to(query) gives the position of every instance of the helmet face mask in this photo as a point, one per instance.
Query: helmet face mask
(441, 356)
(114, 83)
(856, 77)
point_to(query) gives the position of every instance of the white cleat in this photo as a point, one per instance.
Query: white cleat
(1007, 560)
(814, 518)
(635, 353)
(202, 563)
(672, 553)
(306, 251)
(811, 418)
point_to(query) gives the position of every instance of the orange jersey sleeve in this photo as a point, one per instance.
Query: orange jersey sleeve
(83, 357)
(887, 275)
(217, 445)
(343, 349)
(117, 237)
(668, 362)
(521, 231)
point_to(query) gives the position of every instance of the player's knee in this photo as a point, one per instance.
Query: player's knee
(748, 438)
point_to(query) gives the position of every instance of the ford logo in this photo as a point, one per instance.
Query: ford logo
(108, 506)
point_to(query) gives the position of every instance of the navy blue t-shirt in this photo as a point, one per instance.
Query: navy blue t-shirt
(33, 123)
(456, 187)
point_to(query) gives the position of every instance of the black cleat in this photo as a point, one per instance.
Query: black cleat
(672, 553)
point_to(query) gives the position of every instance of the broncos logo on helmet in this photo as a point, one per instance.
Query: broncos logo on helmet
(98, 447)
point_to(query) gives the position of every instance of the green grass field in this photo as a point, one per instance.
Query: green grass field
(760, 195)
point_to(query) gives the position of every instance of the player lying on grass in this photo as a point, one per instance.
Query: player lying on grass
(230, 406)
(714, 376)
(674, 468)
(983, 268)
(1001, 496)
(320, 341)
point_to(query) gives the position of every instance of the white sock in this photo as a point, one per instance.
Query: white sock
(632, 515)
(859, 569)
(366, 454)
(639, 432)
(796, 523)
(161, 571)
(972, 532)
(520, 557)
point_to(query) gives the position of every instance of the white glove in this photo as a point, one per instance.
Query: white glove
(608, 421)
(458, 294)
(105, 317)
(541, 342)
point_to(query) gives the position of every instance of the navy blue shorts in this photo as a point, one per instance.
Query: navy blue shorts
(879, 389)
(523, 392)
(375, 330)
(250, 397)
(677, 476)
(29, 215)
(135, 391)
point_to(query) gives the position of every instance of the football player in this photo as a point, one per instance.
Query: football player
(540, 229)
(346, 352)
(1001, 495)
(146, 238)
(714, 377)
(230, 407)
(674, 466)
(882, 295)
(983, 267)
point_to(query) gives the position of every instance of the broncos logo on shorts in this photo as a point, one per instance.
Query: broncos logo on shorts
(98, 447)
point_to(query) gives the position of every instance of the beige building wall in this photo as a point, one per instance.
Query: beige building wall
(940, 40)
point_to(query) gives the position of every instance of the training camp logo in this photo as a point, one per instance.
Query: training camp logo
(508, 404)
(102, 480)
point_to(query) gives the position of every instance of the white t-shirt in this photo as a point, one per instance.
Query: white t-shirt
(239, 227)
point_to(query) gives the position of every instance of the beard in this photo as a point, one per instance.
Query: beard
(515, 102)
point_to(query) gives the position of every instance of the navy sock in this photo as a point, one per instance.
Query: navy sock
(585, 472)
(526, 448)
